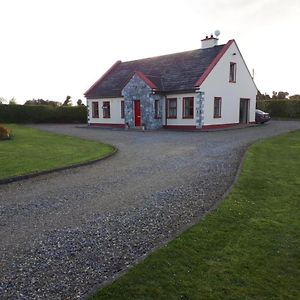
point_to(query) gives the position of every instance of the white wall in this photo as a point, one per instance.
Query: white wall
(115, 111)
(179, 120)
(217, 85)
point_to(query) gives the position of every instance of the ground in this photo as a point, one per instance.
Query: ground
(65, 233)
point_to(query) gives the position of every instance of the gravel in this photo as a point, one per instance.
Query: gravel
(65, 233)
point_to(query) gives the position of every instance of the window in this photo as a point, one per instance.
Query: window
(217, 107)
(122, 109)
(172, 108)
(232, 72)
(95, 109)
(188, 108)
(106, 109)
(157, 109)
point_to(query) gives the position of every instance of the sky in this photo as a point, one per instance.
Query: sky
(53, 48)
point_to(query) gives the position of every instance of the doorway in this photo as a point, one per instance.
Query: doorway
(137, 113)
(244, 111)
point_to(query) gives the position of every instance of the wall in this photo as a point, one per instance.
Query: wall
(115, 111)
(217, 85)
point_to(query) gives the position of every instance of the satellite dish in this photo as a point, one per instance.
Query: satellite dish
(217, 33)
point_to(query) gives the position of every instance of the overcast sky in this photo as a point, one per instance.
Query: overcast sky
(54, 48)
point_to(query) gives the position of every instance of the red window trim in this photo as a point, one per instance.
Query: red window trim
(103, 103)
(183, 108)
(94, 116)
(220, 112)
(172, 99)
(234, 75)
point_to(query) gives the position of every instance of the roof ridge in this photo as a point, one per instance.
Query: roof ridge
(176, 53)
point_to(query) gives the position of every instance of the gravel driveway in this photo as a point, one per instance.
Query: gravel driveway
(64, 233)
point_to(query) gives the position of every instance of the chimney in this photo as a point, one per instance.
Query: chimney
(209, 42)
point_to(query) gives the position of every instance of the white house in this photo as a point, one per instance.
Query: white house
(204, 88)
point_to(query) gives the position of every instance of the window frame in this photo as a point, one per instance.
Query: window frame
(184, 100)
(122, 109)
(157, 110)
(232, 72)
(169, 100)
(95, 109)
(219, 114)
(106, 113)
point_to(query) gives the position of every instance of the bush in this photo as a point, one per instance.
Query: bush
(42, 114)
(5, 133)
(289, 109)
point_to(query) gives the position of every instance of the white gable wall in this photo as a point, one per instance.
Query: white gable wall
(115, 111)
(217, 85)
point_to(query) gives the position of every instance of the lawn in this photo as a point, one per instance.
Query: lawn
(248, 248)
(32, 151)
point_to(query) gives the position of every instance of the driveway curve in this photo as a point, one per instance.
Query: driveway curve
(64, 233)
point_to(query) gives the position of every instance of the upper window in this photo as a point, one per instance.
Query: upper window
(95, 109)
(188, 108)
(172, 108)
(232, 72)
(217, 107)
(106, 109)
(157, 109)
(122, 110)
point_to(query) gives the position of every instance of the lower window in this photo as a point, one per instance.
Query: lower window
(95, 109)
(106, 109)
(122, 109)
(157, 109)
(172, 108)
(217, 107)
(188, 108)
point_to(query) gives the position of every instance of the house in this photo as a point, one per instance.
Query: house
(204, 88)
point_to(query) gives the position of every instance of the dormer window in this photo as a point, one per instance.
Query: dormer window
(232, 72)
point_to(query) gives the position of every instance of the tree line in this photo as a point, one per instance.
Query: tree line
(277, 96)
(66, 102)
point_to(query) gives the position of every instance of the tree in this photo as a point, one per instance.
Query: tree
(42, 102)
(295, 97)
(261, 96)
(68, 101)
(79, 102)
(282, 95)
(2, 100)
(274, 95)
(12, 101)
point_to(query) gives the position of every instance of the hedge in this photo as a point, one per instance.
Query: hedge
(280, 108)
(42, 114)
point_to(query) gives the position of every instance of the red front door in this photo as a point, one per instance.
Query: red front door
(137, 113)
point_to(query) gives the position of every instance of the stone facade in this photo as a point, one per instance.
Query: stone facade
(137, 89)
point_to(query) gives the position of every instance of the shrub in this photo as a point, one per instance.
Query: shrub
(5, 133)
(42, 114)
(289, 109)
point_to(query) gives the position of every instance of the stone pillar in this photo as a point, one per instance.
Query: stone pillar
(199, 109)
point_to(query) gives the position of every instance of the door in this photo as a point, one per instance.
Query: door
(137, 113)
(244, 111)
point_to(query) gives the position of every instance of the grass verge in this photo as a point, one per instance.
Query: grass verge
(31, 151)
(248, 248)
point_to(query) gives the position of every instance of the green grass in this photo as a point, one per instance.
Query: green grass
(32, 151)
(248, 248)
